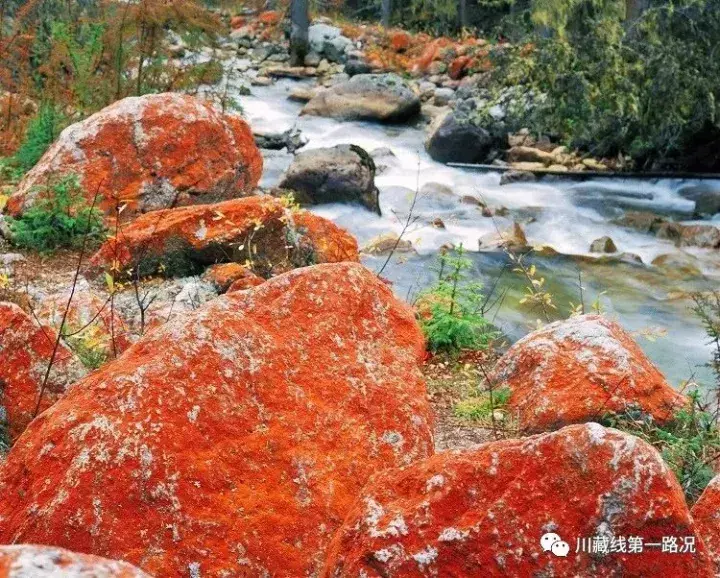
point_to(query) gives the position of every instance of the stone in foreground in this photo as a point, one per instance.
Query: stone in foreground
(379, 97)
(483, 512)
(577, 371)
(150, 152)
(706, 513)
(259, 232)
(46, 562)
(232, 440)
(26, 349)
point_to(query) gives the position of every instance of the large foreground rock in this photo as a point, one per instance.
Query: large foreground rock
(151, 152)
(381, 97)
(260, 232)
(453, 137)
(339, 174)
(483, 513)
(579, 370)
(233, 440)
(26, 349)
(45, 562)
(706, 513)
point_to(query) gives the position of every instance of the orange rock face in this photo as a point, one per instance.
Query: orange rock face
(256, 231)
(151, 152)
(484, 512)
(270, 17)
(706, 513)
(247, 281)
(44, 562)
(231, 441)
(25, 352)
(458, 67)
(400, 41)
(578, 370)
(223, 275)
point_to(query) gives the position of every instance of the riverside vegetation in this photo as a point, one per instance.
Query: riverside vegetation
(192, 343)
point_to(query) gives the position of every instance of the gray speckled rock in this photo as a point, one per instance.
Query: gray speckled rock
(339, 174)
(380, 97)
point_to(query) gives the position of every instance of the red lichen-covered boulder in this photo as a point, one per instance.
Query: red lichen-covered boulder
(89, 319)
(259, 232)
(151, 152)
(459, 66)
(247, 281)
(270, 17)
(484, 512)
(26, 349)
(400, 40)
(706, 513)
(223, 275)
(26, 561)
(578, 370)
(232, 440)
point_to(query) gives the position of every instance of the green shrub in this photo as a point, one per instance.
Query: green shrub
(60, 218)
(688, 444)
(481, 407)
(42, 131)
(452, 310)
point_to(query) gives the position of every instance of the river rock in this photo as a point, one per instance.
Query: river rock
(291, 139)
(224, 275)
(513, 176)
(643, 221)
(26, 349)
(387, 244)
(247, 281)
(355, 66)
(706, 513)
(339, 174)
(260, 232)
(603, 245)
(26, 561)
(525, 154)
(233, 440)
(510, 239)
(328, 41)
(484, 511)
(302, 94)
(443, 96)
(678, 265)
(380, 97)
(150, 152)
(453, 137)
(705, 194)
(577, 371)
(705, 236)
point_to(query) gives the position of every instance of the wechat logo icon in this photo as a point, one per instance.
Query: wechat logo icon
(551, 542)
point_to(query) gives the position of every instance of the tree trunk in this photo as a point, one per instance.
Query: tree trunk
(300, 22)
(635, 8)
(462, 14)
(386, 9)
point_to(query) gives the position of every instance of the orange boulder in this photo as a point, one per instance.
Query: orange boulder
(483, 513)
(237, 22)
(151, 152)
(232, 440)
(706, 513)
(259, 232)
(578, 370)
(45, 562)
(270, 17)
(223, 275)
(458, 67)
(400, 41)
(26, 349)
(247, 281)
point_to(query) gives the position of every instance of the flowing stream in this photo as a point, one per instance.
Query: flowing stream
(565, 215)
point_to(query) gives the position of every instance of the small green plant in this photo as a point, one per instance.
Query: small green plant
(452, 310)
(41, 132)
(689, 444)
(60, 218)
(481, 407)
